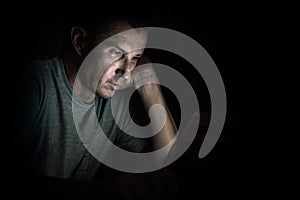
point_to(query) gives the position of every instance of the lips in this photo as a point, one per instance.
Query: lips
(113, 85)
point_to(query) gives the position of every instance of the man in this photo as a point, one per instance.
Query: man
(54, 140)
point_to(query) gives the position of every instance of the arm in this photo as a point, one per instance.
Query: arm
(151, 94)
(147, 84)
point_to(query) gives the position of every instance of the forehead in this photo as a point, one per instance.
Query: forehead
(129, 40)
(124, 36)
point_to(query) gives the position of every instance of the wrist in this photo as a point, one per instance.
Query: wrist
(151, 94)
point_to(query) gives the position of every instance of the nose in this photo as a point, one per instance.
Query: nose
(120, 72)
(123, 68)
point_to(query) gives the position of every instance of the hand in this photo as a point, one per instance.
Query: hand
(142, 74)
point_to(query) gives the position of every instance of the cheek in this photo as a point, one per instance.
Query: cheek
(107, 74)
(103, 67)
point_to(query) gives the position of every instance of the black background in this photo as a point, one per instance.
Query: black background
(245, 162)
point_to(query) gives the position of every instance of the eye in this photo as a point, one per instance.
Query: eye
(115, 53)
(136, 58)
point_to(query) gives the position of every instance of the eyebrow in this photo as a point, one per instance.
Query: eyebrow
(125, 52)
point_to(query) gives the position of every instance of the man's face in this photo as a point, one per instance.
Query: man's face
(120, 55)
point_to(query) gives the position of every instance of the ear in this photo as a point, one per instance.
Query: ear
(78, 37)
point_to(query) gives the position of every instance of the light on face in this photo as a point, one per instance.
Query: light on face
(115, 53)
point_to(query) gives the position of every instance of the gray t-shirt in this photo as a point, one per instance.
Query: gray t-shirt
(52, 143)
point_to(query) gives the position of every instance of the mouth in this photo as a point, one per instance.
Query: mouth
(113, 85)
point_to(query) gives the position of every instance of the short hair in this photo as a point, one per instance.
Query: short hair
(88, 18)
(99, 22)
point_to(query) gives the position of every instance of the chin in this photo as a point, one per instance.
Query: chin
(105, 94)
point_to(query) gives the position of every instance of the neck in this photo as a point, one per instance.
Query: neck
(71, 65)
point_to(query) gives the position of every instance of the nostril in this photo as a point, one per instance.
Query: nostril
(120, 72)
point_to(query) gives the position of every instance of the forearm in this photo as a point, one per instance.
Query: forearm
(151, 94)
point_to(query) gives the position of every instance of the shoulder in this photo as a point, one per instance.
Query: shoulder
(38, 75)
(40, 65)
(41, 71)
